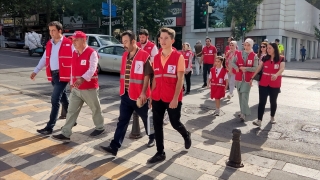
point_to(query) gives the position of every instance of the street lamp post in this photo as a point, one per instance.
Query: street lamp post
(110, 28)
(207, 21)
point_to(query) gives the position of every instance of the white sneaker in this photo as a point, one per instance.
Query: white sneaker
(166, 118)
(272, 120)
(230, 96)
(216, 112)
(257, 123)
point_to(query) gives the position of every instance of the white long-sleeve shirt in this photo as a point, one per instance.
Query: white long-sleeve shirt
(154, 51)
(93, 63)
(54, 57)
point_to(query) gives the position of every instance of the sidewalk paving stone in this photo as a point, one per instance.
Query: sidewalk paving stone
(26, 155)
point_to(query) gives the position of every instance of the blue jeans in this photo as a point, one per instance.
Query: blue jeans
(127, 106)
(58, 95)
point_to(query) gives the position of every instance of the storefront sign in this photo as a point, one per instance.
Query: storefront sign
(116, 21)
(72, 22)
(168, 22)
(8, 21)
(175, 10)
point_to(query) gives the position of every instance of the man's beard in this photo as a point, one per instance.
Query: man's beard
(143, 42)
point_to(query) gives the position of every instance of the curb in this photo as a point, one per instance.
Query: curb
(22, 91)
(300, 77)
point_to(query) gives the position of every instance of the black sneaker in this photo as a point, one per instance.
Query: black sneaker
(187, 141)
(60, 137)
(187, 93)
(97, 133)
(73, 125)
(62, 117)
(204, 86)
(44, 131)
(150, 143)
(157, 158)
(109, 150)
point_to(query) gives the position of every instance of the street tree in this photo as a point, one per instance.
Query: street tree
(149, 13)
(317, 33)
(243, 16)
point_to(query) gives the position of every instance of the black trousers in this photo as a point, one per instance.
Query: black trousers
(158, 109)
(188, 81)
(264, 92)
(206, 71)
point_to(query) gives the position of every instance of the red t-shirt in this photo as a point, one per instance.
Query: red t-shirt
(209, 54)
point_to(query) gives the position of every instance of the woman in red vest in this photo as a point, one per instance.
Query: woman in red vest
(231, 54)
(188, 56)
(273, 65)
(245, 65)
(218, 81)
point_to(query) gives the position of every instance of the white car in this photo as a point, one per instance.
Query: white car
(98, 40)
(110, 58)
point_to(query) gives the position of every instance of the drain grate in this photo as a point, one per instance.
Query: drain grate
(189, 109)
(311, 128)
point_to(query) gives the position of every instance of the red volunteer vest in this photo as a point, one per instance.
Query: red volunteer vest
(148, 47)
(65, 57)
(166, 78)
(218, 83)
(240, 63)
(136, 74)
(270, 68)
(226, 49)
(186, 55)
(80, 65)
(208, 54)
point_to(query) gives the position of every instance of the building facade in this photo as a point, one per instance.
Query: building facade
(291, 21)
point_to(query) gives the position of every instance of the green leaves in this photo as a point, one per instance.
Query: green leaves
(317, 33)
(147, 13)
(242, 12)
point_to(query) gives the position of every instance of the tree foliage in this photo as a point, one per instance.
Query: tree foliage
(147, 13)
(242, 12)
(315, 3)
(317, 33)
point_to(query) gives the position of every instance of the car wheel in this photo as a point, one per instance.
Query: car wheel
(6, 45)
(99, 69)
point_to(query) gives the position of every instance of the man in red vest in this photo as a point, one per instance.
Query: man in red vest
(134, 86)
(147, 45)
(169, 69)
(85, 87)
(209, 54)
(57, 60)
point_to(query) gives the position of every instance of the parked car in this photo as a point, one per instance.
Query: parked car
(14, 43)
(110, 58)
(98, 40)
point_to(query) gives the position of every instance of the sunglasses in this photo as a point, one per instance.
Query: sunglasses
(263, 46)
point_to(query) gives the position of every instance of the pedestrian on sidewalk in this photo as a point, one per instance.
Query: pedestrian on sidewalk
(84, 87)
(272, 67)
(209, 54)
(231, 54)
(57, 60)
(303, 53)
(188, 56)
(218, 82)
(152, 49)
(245, 65)
(198, 53)
(134, 85)
(169, 69)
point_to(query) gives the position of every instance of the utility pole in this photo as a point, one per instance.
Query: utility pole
(110, 24)
(207, 21)
(134, 16)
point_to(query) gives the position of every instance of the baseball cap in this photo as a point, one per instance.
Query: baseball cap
(265, 40)
(78, 34)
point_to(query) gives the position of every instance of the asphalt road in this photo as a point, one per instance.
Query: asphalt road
(295, 138)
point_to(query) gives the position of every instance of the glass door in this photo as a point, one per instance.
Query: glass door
(293, 49)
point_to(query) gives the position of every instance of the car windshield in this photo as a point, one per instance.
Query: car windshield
(106, 40)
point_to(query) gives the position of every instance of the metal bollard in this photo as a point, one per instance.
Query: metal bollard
(135, 131)
(235, 153)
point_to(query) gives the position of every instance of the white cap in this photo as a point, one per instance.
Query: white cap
(266, 40)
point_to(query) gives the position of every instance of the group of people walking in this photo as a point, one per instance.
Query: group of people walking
(238, 70)
(72, 61)
(152, 78)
